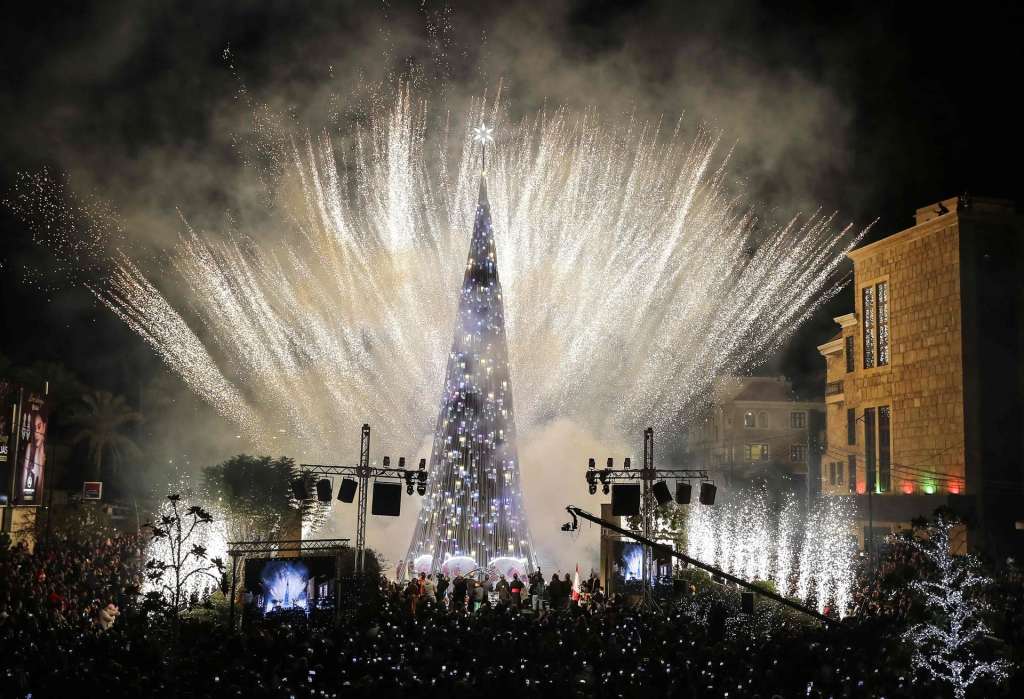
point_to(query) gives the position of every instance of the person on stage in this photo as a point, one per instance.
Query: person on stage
(516, 589)
(503, 590)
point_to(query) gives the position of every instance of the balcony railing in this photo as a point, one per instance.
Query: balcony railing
(833, 388)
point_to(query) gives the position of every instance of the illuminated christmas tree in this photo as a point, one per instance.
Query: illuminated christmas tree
(946, 646)
(472, 515)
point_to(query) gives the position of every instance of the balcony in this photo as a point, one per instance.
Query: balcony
(834, 392)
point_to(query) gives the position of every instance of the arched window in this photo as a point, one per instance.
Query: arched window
(748, 419)
(762, 419)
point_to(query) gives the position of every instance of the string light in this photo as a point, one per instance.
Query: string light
(477, 413)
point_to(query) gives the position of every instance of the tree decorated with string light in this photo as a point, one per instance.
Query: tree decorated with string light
(946, 646)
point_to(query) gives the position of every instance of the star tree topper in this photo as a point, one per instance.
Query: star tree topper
(482, 135)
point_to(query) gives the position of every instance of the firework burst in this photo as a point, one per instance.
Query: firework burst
(633, 274)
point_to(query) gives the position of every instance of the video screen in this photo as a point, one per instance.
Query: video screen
(289, 584)
(627, 564)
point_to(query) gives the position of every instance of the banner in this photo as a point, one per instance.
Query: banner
(31, 464)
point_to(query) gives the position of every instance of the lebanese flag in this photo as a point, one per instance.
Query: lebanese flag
(576, 585)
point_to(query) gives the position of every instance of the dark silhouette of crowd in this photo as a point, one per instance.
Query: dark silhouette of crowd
(432, 636)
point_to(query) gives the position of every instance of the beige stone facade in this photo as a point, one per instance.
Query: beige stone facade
(921, 381)
(895, 393)
(757, 429)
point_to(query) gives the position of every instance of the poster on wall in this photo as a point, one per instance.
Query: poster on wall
(31, 458)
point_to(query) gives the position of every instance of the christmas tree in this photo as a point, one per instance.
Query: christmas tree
(946, 647)
(472, 515)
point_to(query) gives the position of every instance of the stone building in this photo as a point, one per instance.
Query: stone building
(757, 429)
(924, 377)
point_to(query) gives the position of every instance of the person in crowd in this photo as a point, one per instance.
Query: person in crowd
(537, 593)
(504, 590)
(515, 588)
(566, 590)
(442, 588)
(479, 594)
(459, 590)
(412, 593)
(555, 592)
(429, 589)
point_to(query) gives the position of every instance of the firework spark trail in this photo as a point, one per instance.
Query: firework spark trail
(810, 557)
(633, 277)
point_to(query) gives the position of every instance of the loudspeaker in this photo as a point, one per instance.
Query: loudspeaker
(625, 500)
(661, 493)
(323, 490)
(707, 493)
(299, 489)
(347, 491)
(684, 491)
(387, 499)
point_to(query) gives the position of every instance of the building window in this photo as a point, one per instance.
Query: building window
(869, 447)
(762, 419)
(832, 473)
(798, 420)
(851, 472)
(882, 323)
(851, 426)
(755, 452)
(839, 473)
(748, 419)
(798, 453)
(868, 324)
(884, 452)
(849, 354)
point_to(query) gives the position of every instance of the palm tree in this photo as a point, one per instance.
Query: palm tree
(100, 420)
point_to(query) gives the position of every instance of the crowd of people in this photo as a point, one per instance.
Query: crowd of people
(475, 593)
(67, 584)
(432, 636)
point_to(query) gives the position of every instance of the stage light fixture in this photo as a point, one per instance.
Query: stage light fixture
(401, 462)
(347, 491)
(605, 489)
(611, 463)
(409, 475)
(387, 462)
(684, 492)
(661, 493)
(592, 482)
(707, 493)
(299, 489)
(421, 487)
(323, 490)
(628, 463)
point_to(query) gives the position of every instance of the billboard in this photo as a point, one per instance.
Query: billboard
(281, 584)
(31, 457)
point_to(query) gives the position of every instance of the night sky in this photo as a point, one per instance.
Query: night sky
(871, 112)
